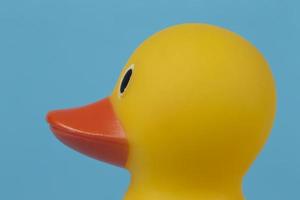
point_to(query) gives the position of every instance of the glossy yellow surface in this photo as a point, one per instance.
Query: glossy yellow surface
(197, 111)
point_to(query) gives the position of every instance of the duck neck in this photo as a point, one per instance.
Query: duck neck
(166, 188)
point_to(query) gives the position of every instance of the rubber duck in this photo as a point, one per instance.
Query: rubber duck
(191, 110)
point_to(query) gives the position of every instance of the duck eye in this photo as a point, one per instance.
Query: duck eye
(125, 80)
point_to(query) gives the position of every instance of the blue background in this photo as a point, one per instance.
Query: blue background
(64, 53)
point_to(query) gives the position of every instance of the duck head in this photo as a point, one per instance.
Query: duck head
(191, 110)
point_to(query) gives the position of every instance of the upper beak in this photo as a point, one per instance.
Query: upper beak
(93, 130)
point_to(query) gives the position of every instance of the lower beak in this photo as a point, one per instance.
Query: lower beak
(93, 130)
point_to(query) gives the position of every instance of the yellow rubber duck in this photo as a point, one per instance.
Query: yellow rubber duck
(192, 108)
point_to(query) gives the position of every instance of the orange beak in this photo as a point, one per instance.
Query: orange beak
(93, 130)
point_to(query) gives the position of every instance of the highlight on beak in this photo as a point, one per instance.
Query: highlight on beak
(93, 130)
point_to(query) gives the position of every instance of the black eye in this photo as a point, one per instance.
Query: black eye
(125, 80)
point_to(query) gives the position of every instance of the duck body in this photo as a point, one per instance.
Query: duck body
(192, 108)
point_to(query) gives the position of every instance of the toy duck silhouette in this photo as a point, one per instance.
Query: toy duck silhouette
(192, 108)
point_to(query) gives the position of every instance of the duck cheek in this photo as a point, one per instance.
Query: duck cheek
(93, 130)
